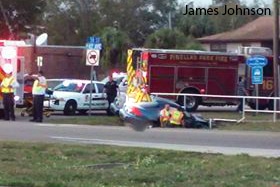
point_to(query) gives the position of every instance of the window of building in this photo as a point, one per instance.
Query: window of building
(221, 47)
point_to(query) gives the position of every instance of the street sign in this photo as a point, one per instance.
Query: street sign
(92, 57)
(94, 42)
(39, 61)
(257, 60)
(257, 75)
(93, 46)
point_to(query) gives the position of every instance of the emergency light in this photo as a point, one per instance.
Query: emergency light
(8, 68)
(9, 52)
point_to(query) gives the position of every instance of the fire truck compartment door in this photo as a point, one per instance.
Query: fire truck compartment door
(162, 79)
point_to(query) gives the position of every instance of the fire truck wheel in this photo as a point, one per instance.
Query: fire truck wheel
(191, 102)
(271, 105)
(261, 106)
(70, 108)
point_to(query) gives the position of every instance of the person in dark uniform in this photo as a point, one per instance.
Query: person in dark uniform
(8, 86)
(111, 90)
(241, 91)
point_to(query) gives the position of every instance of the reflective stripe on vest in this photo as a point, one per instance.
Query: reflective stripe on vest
(8, 81)
(176, 118)
(165, 115)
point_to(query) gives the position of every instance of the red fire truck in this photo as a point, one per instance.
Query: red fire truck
(266, 89)
(182, 71)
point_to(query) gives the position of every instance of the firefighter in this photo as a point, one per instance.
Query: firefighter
(8, 86)
(177, 118)
(38, 92)
(165, 116)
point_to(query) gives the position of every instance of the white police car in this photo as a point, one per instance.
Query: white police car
(120, 78)
(74, 95)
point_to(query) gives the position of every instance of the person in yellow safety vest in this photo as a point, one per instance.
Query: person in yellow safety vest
(165, 116)
(177, 118)
(38, 92)
(8, 86)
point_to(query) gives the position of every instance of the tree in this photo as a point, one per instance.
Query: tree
(171, 39)
(224, 23)
(115, 45)
(137, 18)
(196, 25)
(16, 15)
(70, 22)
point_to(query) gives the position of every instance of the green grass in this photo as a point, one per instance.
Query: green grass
(235, 115)
(50, 165)
(253, 122)
(250, 126)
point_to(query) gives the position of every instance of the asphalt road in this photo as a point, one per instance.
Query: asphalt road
(210, 141)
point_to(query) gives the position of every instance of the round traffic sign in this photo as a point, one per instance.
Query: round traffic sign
(92, 57)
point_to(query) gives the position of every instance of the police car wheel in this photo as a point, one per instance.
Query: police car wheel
(70, 108)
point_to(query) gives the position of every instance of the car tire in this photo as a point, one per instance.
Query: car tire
(70, 108)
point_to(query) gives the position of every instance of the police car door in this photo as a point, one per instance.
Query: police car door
(98, 101)
(102, 101)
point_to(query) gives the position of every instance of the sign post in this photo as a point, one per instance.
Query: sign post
(257, 62)
(93, 46)
(39, 62)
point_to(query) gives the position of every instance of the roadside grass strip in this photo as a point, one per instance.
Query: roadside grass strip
(64, 165)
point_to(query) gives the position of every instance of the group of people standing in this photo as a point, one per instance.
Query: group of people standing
(8, 87)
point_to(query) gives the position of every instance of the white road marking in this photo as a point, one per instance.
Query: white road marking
(55, 125)
(178, 147)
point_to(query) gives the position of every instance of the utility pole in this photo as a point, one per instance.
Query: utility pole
(169, 21)
(276, 51)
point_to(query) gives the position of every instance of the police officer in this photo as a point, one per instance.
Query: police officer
(111, 90)
(38, 92)
(8, 86)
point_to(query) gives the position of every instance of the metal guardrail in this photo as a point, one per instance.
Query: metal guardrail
(274, 111)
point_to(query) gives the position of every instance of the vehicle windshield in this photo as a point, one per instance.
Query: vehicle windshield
(70, 87)
(53, 83)
(117, 79)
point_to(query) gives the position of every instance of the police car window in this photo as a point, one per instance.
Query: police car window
(87, 89)
(70, 87)
(119, 80)
(100, 87)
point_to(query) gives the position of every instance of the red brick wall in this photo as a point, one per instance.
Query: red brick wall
(58, 61)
